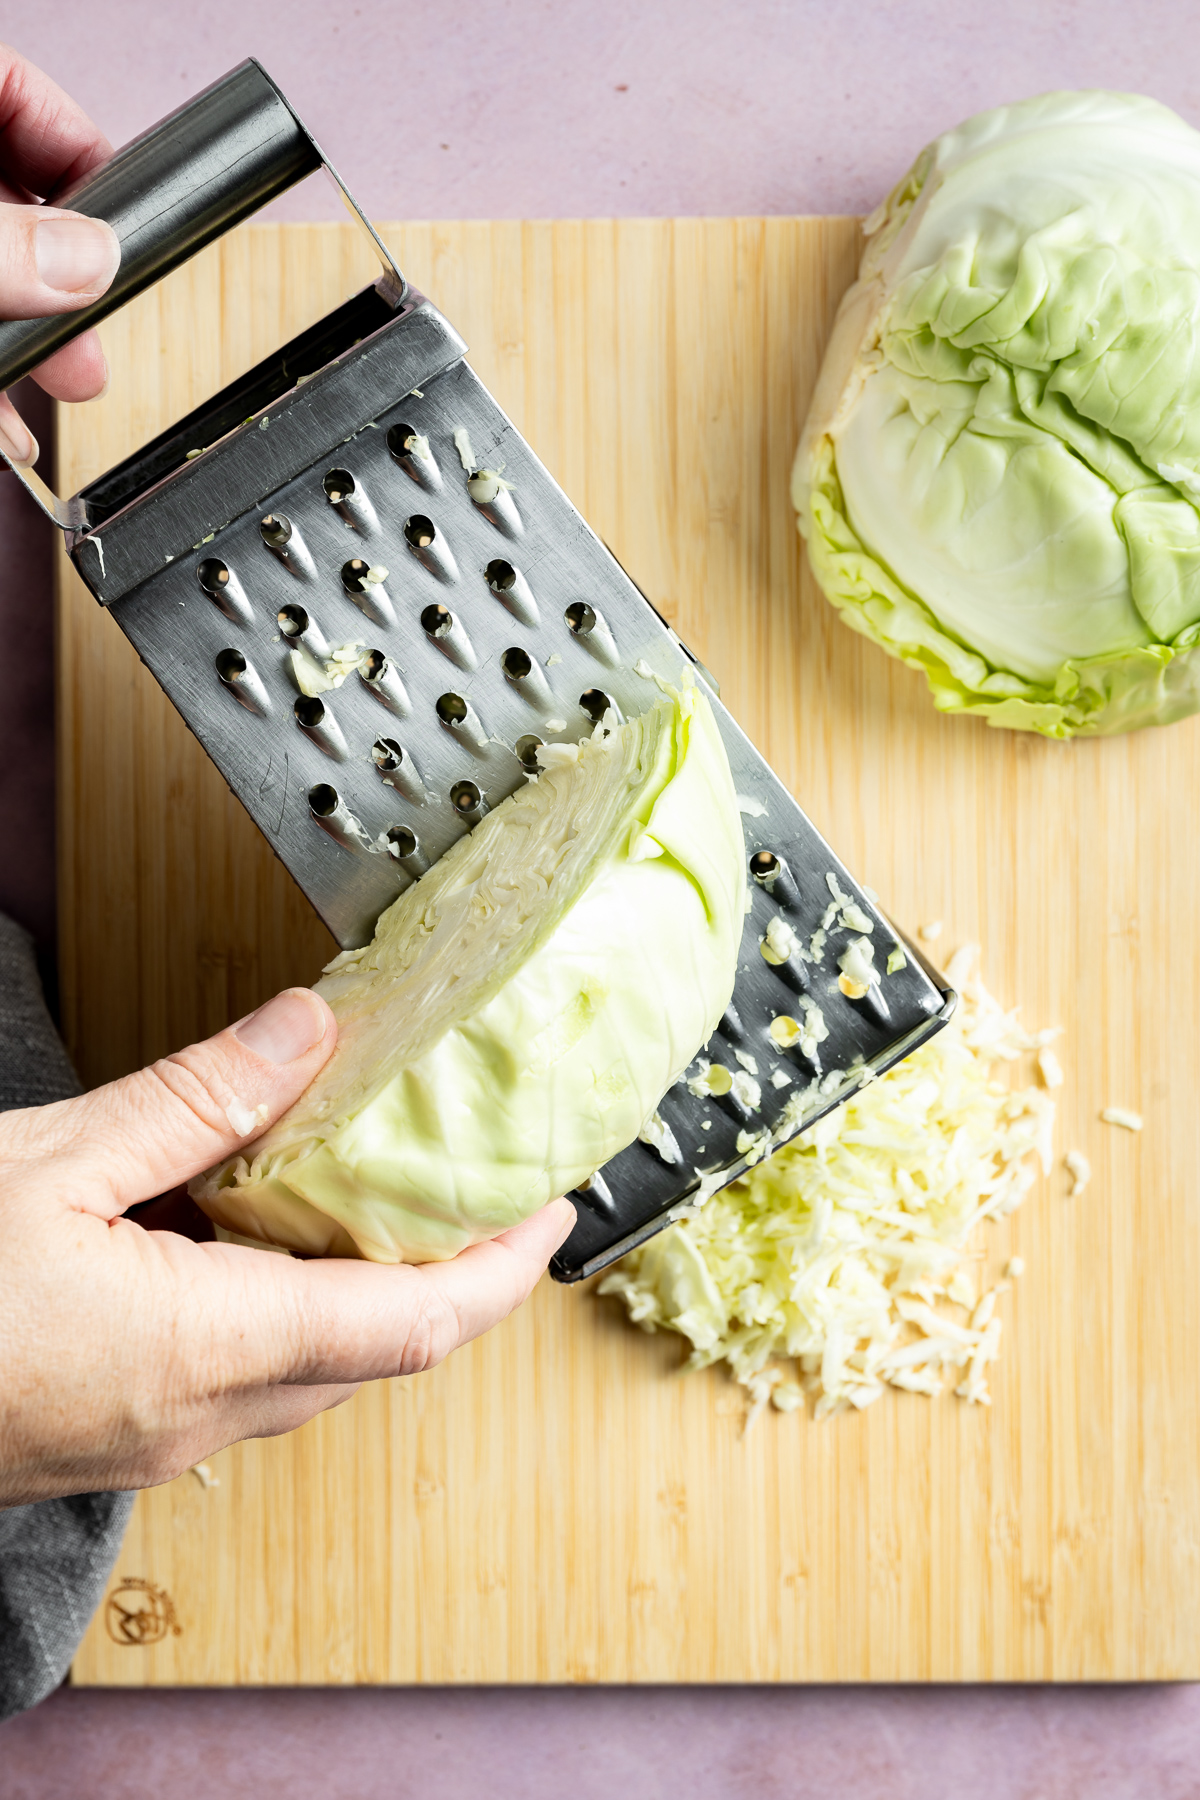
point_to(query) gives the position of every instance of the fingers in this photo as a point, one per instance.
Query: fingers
(483, 1285)
(46, 141)
(79, 371)
(138, 1137)
(17, 442)
(260, 1344)
(273, 1411)
(366, 1321)
(53, 262)
(261, 1413)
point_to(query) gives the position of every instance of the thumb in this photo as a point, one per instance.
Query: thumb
(53, 261)
(149, 1132)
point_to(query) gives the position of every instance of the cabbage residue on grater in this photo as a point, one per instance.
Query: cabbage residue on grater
(372, 604)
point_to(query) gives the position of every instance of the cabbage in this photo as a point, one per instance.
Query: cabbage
(999, 476)
(850, 1249)
(522, 1009)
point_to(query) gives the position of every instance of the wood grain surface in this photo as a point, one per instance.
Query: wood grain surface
(555, 1504)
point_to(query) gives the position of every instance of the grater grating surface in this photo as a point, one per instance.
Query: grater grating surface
(490, 618)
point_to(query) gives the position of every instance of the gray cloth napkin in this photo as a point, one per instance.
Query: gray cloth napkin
(56, 1555)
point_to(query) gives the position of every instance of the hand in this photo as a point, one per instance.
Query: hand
(51, 260)
(128, 1354)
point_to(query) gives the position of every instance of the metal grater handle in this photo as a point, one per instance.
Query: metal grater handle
(173, 190)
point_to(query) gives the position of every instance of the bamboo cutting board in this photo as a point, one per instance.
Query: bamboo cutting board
(555, 1504)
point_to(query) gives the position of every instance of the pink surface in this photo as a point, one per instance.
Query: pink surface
(432, 110)
(529, 109)
(601, 1743)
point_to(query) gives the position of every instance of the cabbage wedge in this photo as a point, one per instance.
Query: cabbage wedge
(521, 1010)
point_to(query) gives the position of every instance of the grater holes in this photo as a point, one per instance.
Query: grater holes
(223, 589)
(597, 705)
(437, 621)
(527, 748)
(286, 544)
(446, 632)
(452, 709)
(397, 769)
(526, 676)
(293, 621)
(334, 816)
(467, 800)
(381, 679)
(411, 451)
(871, 1002)
(338, 485)
(363, 582)
(792, 974)
(348, 500)
(318, 723)
(770, 872)
(386, 754)
(323, 800)
(296, 627)
(510, 587)
(354, 576)
(404, 844)
(490, 496)
(460, 717)
(429, 547)
(591, 628)
(213, 576)
(596, 1194)
(241, 680)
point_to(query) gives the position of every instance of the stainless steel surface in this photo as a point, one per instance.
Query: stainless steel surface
(200, 170)
(211, 163)
(371, 634)
(252, 466)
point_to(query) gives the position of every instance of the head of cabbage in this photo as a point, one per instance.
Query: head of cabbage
(999, 478)
(521, 1010)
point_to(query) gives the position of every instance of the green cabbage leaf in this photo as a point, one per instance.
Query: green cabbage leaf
(999, 477)
(522, 1008)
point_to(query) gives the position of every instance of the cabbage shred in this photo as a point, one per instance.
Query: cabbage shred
(841, 1265)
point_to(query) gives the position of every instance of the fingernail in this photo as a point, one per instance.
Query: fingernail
(15, 441)
(77, 255)
(284, 1028)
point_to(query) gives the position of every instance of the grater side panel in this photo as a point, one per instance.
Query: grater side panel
(259, 458)
(618, 644)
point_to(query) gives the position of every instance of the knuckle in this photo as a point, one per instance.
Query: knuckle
(197, 1085)
(434, 1333)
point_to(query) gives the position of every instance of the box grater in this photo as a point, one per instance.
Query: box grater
(361, 488)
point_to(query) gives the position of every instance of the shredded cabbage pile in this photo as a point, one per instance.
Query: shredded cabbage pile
(849, 1251)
